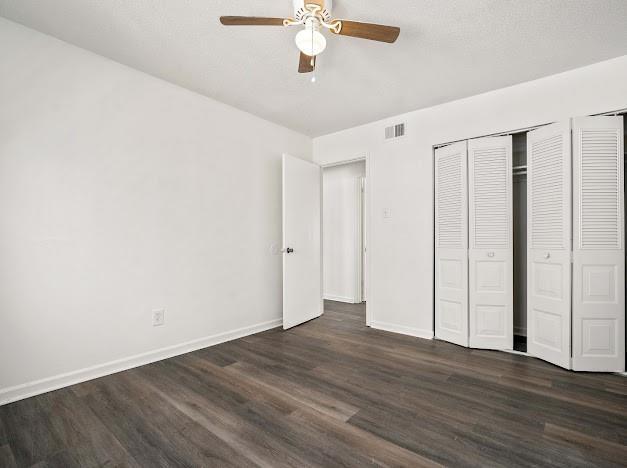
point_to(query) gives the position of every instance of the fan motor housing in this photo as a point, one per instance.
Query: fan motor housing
(300, 9)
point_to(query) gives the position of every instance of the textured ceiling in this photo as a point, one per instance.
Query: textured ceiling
(448, 49)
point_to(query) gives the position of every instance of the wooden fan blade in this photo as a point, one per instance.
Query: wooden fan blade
(306, 64)
(374, 32)
(250, 21)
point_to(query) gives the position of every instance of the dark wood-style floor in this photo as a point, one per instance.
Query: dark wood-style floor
(328, 393)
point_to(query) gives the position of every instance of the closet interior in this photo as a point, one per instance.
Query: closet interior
(529, 243)
(519, 209)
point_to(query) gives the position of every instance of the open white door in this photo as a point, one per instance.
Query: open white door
(598, 245)
(491, 245)
(549, 243)
(451, 249)
(302, 265)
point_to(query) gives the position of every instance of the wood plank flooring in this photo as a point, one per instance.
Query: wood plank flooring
(328, 393)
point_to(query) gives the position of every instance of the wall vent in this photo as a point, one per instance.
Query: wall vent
(395, 131)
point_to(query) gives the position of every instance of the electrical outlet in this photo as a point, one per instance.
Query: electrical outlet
(158, 317)
(387, 213)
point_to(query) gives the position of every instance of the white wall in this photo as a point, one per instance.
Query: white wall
(400, 247)
(341, 231)
(119, 194)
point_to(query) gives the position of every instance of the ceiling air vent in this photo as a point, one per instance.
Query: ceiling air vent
(395, 131)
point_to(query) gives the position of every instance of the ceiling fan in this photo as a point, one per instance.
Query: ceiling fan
(315, 15)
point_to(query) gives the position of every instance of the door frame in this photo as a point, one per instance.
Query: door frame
(362, 240)
(365, 156)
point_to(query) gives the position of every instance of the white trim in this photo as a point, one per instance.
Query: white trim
(36, 387)
(321, 237)
(359, 244)
(331, 297)
(615, 113)
(360, 157)
(417, 332)
(368, 226)
(511, 132)
(363, 241)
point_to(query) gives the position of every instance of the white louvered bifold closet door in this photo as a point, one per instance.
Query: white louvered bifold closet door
(598, 245)
(491, 245)
(549, 243)
(451, 246)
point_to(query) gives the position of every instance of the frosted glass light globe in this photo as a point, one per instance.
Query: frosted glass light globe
(310, 43)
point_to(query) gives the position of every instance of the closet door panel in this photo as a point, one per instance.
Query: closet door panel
(549, 243)
(451, 253)
(491, 246)
(598, 245)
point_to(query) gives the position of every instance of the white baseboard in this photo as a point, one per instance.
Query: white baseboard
(417, 332)
(36, 387)
(350, 300)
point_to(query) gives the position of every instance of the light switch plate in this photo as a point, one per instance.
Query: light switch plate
(387, 212)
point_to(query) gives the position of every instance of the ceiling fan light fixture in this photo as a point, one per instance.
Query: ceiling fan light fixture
(310, 42)
(315, 16)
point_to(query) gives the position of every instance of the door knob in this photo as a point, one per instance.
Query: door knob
(490, 254)
(288, 250)
(547, 255)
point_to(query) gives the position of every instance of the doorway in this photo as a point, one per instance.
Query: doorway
(344, 243)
